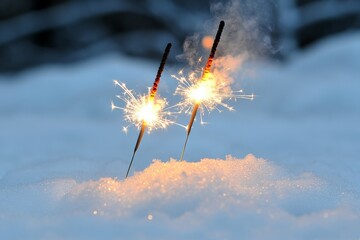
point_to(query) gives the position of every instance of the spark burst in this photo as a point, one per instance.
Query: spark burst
(210, 94)
(140, 109)
(207, 91)
(145, 111)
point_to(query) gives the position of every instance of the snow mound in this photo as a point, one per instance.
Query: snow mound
(211, 199)
(176, 188)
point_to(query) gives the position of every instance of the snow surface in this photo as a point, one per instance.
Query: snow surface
(63, 156)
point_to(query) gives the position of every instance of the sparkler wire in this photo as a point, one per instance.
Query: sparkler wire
(188, 129)
(141, 134)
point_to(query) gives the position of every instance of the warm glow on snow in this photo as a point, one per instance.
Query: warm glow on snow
(210, 184)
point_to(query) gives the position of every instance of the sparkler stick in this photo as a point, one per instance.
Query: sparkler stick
(141, 134)
(204, 76)
(151, 98)
(213, 50)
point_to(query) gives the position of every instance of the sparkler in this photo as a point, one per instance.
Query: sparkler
(199, 93)
(146, 111)
(207, 92)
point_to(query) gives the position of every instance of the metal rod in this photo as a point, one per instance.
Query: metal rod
(141, 134)
(188, 130)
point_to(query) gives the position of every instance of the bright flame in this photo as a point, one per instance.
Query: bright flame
(202, 91)
(149, 113)
(142, 109)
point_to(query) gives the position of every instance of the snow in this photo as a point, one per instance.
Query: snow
(292, 173)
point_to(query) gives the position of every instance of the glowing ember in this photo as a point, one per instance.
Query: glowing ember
(143, 109)
(148, 113)
(207, 42)
(202, 91)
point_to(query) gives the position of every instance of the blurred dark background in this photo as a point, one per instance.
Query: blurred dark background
(34, 32)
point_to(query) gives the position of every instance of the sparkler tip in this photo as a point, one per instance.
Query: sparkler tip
(222, 23)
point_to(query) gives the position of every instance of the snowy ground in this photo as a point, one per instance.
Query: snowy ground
(293, 170)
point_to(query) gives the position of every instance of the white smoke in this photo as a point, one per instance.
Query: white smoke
(249, 26)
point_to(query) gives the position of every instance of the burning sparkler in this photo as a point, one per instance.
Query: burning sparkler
(201, 91)
(145, 111)
(207, 92)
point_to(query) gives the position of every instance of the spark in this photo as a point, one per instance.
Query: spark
(142, 109)
(210, 94)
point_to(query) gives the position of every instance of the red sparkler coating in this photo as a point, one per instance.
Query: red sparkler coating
(160, 70)
(213, 50)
